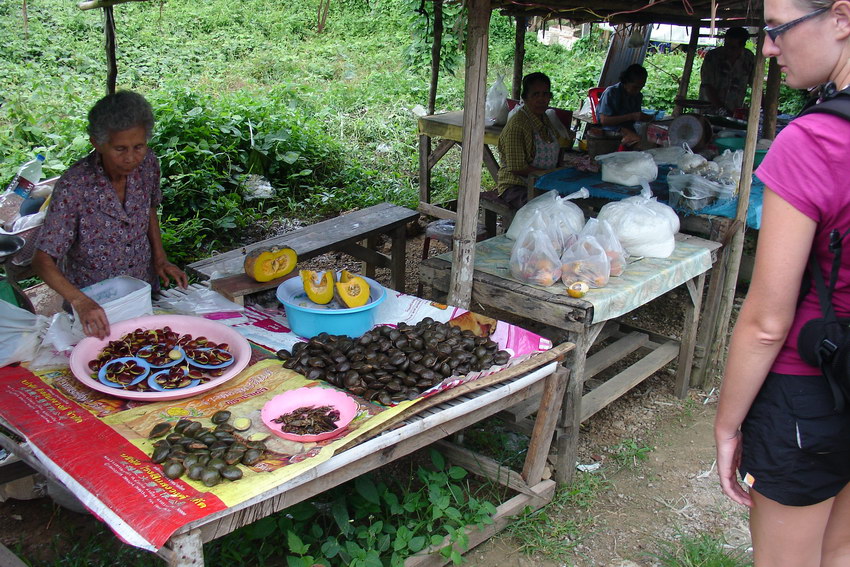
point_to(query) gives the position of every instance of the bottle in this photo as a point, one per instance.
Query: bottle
(19, 189)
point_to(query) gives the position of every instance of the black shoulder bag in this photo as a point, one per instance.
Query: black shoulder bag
(825, 342)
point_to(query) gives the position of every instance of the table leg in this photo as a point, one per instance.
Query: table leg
(689, 334)
(184, 550)
(399, 243)
(371, 243)
(544, 426)
(569, 423)
(424, 169)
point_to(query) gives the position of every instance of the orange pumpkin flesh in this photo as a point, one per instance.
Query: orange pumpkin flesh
(266, 264)
(320, 289)
(353, 292)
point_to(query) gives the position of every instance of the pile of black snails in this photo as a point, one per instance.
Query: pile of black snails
(202, 453)
(391, 364)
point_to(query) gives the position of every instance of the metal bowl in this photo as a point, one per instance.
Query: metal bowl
(10, 244)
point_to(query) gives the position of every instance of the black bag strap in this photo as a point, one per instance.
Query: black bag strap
(827, 348)
(830, 101)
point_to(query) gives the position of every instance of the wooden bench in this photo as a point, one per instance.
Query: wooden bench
(341, 234)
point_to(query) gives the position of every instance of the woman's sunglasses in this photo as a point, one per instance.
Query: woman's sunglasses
(774, 32)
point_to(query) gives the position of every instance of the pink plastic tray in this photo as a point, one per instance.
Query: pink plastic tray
(88, 349)
(311, 397)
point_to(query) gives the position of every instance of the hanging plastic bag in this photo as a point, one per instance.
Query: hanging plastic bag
(643, 226)
(534, 260)
(628, 168)
(20, 333)
(496, 105)
(585, 261)
(604, 234)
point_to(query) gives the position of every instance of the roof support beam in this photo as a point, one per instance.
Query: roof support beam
(472, 153)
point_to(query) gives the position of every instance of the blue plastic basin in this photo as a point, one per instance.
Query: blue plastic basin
(308, 319)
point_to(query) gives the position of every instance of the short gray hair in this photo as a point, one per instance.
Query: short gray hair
(117, 112)
(815, 4)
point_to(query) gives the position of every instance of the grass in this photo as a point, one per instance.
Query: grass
(704, 550)
(629, 453)
(555, 529)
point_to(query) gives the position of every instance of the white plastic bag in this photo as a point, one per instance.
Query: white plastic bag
(122, 297)
(198, 302)
(628, 168)
(560, 211)
(561, 129)
(20, 333)
(644, 226)
(666, 156)
(534, 260)
(496, 105)
(730, 164)
(585, 261)
(605, 235)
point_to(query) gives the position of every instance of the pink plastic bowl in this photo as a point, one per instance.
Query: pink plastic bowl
(310, 397)
(88, 349)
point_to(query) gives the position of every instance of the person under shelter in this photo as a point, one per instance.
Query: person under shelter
(102, 219)
(726, 72)
(529, 143)
(620, 108)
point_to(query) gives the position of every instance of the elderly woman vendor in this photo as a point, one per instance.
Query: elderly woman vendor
(528, 143)
(102, 219)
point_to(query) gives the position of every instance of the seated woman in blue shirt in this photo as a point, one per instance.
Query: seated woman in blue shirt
(621, 103)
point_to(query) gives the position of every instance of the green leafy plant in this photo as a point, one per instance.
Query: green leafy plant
(629, 452)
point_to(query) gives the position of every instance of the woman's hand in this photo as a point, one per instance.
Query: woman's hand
(92, 317)
(728, 460)
(168, 271)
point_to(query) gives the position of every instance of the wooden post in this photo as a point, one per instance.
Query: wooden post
(685, 81)
(771, 99)
(472, 153)
(436, 46)
(111, 65)
(519, 56)
(717, 357)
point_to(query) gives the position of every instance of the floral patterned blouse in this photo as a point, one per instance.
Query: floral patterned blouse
(91, 234)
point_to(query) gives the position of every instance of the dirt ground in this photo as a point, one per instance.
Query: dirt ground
(673, 491)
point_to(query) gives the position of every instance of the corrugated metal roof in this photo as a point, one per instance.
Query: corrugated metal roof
(682, 12)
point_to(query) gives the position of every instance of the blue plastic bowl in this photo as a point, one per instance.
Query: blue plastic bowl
(307, 319)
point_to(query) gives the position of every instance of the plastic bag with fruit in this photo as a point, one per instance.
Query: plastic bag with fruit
(558, 211)
(602, 231)
(534, 259)
(585, 261)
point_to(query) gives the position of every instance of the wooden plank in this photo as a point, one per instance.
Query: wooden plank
(627, 379)
(437, 212)
(472, 152)
(319, 238)
(483, 466)
(544, 426)
(689, 335)
(559, 311)
(9, 559)
(613, 353)
(505, 513)
(358, 460)
(237, 286)
(184, 550)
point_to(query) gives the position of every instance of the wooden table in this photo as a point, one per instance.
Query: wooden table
(541, 377)
(580, 324)
(342, 233)
(448, 127)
